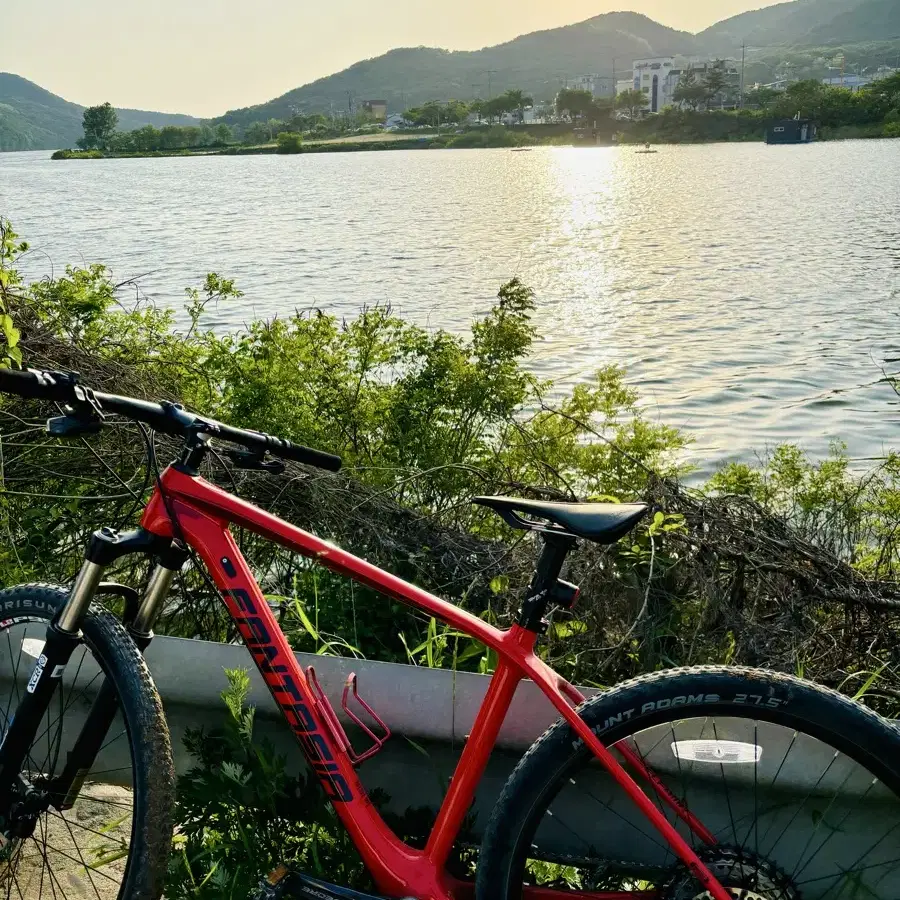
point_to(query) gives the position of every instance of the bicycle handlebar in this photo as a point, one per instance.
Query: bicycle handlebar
(168, 418)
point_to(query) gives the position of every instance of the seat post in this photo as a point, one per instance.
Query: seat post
(550, 563)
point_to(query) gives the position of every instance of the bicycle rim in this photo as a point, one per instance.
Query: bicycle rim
(778, 814)
(54, 852)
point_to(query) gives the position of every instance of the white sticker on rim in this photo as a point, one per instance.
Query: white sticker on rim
(32, 647)
(719, 752)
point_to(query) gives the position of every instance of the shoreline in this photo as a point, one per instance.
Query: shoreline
(467, 141)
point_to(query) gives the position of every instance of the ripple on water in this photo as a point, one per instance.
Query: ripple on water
(743, 313)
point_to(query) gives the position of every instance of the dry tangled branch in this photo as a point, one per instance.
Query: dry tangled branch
(734, 583)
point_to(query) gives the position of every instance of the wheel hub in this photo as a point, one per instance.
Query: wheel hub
(744, 876)
(27, 805)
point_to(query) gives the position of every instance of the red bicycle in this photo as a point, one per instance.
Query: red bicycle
(696, 783)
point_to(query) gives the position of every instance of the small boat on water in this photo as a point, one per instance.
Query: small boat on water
(521, 149)
(646, 149)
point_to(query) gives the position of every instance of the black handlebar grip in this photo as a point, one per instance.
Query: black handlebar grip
(167, 418)
(311, 457)
(37, 385)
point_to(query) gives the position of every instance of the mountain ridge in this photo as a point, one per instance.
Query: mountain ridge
(33, 118)
(538, 63)
(530, 62)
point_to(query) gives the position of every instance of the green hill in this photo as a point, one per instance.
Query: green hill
(807, 23)
(873, 20)
(34, 119)
(537, 63)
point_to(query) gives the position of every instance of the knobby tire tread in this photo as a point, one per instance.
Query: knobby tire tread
(822, 712)
(148, 734)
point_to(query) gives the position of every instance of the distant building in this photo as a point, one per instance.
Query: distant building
(848, 81)
(657, 78)
(791, 131)
(600, 86)
(624, 85)
(376, 110)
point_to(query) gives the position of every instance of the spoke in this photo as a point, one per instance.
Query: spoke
(756, 755)
(850, 871)
(15, 866)
(104, 835)
(43, 826)
(659, 801)
(95, 772)
(71, 700)
(86, 867)
(808, 795)
(727, 794)
(122, 733)
(15, 679)
(53, 878)
(107, 802)
(781, 765)
(684, 800)
(618, 815)
(797, 869)
(853, 867)
(568, 828)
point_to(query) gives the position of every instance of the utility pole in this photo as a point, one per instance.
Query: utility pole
(490, 72)
(743, 59)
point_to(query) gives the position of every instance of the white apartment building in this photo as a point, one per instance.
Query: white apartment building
(599, 85)
(657, 78)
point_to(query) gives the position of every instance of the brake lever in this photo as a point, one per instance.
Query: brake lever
(73, 425)
(247, 459)
(85, 418)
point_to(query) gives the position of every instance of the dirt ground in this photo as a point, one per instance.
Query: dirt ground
(76, 854)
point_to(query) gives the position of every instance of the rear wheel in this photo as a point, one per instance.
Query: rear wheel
(110, 842)
(794, 789)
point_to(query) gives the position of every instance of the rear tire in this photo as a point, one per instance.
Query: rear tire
(754, 703)
(152, 794)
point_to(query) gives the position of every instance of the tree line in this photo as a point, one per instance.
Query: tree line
(100, 133)
(830, 105)
(452, 112)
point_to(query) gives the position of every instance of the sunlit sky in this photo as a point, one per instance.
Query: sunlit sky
(206, 56)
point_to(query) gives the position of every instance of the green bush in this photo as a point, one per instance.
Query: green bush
(78, 154)
(289, 142)
(241, 811)
(425, 420)
(892, 129)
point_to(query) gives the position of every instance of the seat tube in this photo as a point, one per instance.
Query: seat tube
(472, 762)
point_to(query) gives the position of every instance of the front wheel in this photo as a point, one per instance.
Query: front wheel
(786, 790)
(108, 840)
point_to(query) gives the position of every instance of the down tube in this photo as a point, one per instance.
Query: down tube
(394, 865)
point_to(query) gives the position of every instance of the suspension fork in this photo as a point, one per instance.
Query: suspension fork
(64, 635)
(139, 623)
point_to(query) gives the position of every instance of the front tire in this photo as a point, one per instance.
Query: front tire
(114, 842)
(839, 774)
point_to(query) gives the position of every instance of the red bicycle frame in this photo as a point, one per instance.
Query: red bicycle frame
(204, 512)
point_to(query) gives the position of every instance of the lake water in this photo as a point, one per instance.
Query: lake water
(751, 291)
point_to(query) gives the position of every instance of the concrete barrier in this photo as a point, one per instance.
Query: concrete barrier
(431, 712)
